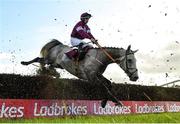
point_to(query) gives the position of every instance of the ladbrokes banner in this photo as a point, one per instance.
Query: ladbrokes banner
(13, 108)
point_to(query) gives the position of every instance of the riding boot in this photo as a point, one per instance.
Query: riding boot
(81, 51)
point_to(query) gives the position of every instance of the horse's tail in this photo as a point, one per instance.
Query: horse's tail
(44, 51)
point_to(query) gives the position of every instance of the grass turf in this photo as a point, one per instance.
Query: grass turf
(135, 118)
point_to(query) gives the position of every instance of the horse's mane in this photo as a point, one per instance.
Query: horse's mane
(55, 41)
(108, 48)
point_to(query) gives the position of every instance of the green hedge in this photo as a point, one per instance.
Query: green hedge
(43, 87)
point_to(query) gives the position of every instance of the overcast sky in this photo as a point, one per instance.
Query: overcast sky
(152, 26)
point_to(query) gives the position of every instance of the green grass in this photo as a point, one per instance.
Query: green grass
(140, 118)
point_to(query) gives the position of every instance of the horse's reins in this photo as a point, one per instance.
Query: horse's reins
(110, 57)
(105, 52)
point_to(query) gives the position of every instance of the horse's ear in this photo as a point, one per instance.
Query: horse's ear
(129, 47)
(135, 51)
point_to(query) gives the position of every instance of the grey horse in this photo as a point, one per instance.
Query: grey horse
(91, 67)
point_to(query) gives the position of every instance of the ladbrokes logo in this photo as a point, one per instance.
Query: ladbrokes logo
(173, 108)
(11, 111)
(57, 110)
(149, 108)
(108, 110)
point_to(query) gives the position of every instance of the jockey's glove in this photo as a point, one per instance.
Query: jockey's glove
(94, 41)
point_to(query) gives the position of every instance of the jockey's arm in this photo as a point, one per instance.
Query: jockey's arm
(93, 40)
(84, 34)
(87, 34)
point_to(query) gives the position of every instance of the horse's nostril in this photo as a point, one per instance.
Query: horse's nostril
(136, 77)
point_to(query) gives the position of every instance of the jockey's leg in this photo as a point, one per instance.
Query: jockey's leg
(76, 41)
(81, 51)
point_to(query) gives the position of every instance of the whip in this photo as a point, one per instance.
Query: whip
(105, 52)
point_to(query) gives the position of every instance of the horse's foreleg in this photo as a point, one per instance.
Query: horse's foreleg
(110, 97)
(108, 87)
(106, 84)
(93, 78)
(39, 60)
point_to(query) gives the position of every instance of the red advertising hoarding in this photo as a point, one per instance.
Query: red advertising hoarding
(21, 108)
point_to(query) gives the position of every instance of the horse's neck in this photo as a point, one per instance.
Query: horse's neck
(115, 53)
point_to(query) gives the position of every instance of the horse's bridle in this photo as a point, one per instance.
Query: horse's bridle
(130, 74)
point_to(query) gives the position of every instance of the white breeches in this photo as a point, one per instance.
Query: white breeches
(76, 42)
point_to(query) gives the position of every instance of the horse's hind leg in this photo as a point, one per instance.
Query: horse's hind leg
(53, 72)
(39, 60)
(42, 68)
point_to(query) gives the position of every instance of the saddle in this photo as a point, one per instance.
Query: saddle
(78, 54)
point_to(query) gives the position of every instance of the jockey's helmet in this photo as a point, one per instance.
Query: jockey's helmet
(85, 16)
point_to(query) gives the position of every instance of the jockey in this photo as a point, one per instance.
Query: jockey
(82, 31)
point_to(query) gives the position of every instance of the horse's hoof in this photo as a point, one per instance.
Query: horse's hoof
(103, 103)
(119, 104)
(24, 63)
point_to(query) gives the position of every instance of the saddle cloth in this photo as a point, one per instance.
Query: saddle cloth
(76, 55)
(72, 53)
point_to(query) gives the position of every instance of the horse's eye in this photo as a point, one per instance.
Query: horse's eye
(129, 61)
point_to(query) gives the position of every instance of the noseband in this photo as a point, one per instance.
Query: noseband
(127, 67)
(130, 74)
